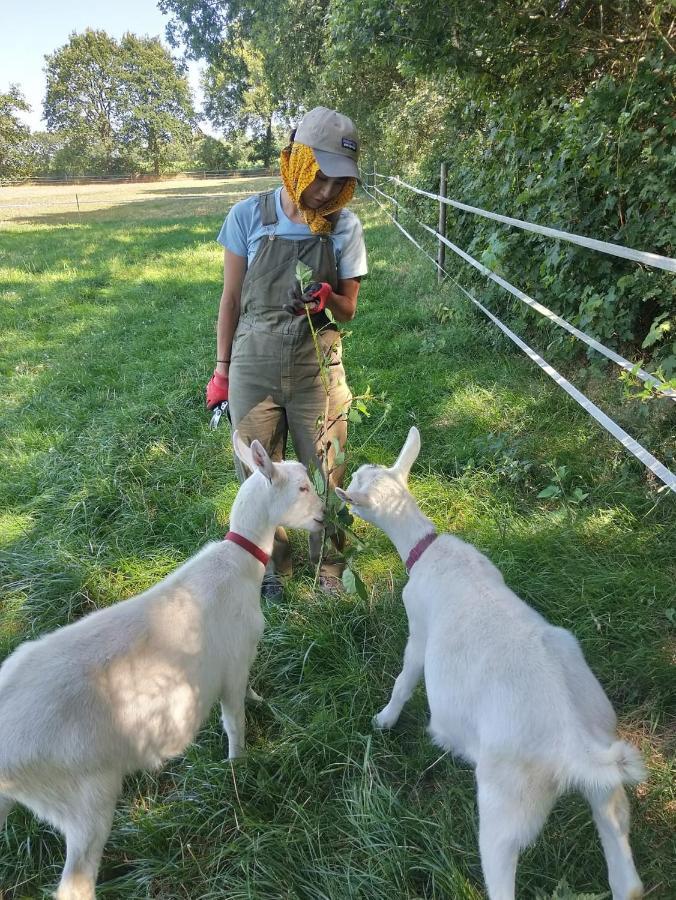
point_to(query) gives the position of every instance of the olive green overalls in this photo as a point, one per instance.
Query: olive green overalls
(275, 385)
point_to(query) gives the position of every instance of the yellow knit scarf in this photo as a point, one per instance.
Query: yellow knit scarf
(299, 169)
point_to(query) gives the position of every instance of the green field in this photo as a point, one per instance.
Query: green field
(111, 477)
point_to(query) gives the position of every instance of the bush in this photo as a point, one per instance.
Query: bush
(599, 165)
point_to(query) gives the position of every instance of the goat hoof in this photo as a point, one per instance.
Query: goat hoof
(381, 723)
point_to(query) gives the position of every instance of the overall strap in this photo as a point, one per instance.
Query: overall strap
(266, 203)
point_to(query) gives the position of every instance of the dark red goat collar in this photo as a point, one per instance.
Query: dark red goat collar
(419, 549)
(247, 545)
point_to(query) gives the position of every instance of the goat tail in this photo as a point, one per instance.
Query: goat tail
(620, 763)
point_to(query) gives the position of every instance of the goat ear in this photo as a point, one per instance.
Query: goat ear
(360, 499)
(241, 450)
(355, 498)
(261, 460)
(408, 455)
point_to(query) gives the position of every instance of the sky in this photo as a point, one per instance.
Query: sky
(33, 28)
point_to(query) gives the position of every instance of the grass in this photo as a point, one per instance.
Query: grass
(77, 204)
(111, 477)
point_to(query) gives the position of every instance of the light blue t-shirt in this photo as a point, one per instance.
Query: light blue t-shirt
(242, 232)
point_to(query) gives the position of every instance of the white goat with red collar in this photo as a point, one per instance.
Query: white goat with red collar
(507, 691)
(127, 687)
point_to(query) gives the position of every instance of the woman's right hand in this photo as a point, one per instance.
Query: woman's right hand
(217, 389)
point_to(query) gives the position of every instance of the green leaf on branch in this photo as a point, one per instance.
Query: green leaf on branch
(361, 587)
(304, 275)
(353, 584)
(317, 479)
(661, 326)
(349, 581)
(345, 517)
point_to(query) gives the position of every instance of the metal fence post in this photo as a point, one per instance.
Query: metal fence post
(441, 252)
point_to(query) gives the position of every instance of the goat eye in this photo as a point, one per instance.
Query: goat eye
(304, 489)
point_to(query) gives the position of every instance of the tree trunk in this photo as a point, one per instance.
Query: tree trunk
(268, 151)
(153, 146)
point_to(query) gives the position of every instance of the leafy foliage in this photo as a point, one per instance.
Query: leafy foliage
(13, 132)
(564, 892)
(212, 153)
(157, 110)
(597, 165)
(238, 98)
(119, 105)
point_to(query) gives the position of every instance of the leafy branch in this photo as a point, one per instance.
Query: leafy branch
(337, 518)
(643, 390)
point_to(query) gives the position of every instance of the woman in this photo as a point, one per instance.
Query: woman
(266, 362)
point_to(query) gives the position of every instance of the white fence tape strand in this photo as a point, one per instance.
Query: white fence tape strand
(543, 310)
(627, 441)
(641, 256)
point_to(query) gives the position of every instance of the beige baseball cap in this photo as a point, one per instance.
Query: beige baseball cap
(333, 139)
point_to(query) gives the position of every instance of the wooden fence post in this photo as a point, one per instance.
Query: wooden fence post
(441, 252)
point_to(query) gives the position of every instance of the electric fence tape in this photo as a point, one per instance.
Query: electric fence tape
(627, 441)
(649, 259)
(543, 310)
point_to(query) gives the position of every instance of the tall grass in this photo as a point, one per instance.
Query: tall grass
(111, 477)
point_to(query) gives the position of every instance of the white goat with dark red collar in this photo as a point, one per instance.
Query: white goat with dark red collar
(127, 687)
(507, 691)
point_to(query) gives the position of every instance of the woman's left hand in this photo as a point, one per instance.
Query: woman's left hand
(313, 300)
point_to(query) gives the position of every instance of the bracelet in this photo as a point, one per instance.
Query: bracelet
(222, 360)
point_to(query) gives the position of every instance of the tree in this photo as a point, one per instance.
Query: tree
(41, 150)
(123, 103)
(353, 50)
(216, 155)
(290, 35)
(238, 99)
(83, 92)
(157, 108)
(13, 133)
(264, 59)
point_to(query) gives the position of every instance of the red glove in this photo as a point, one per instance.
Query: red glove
(319, 291)
(217, 390)
(314, 299)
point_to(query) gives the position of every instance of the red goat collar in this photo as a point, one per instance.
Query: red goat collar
(248, 545)
(419, 549)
